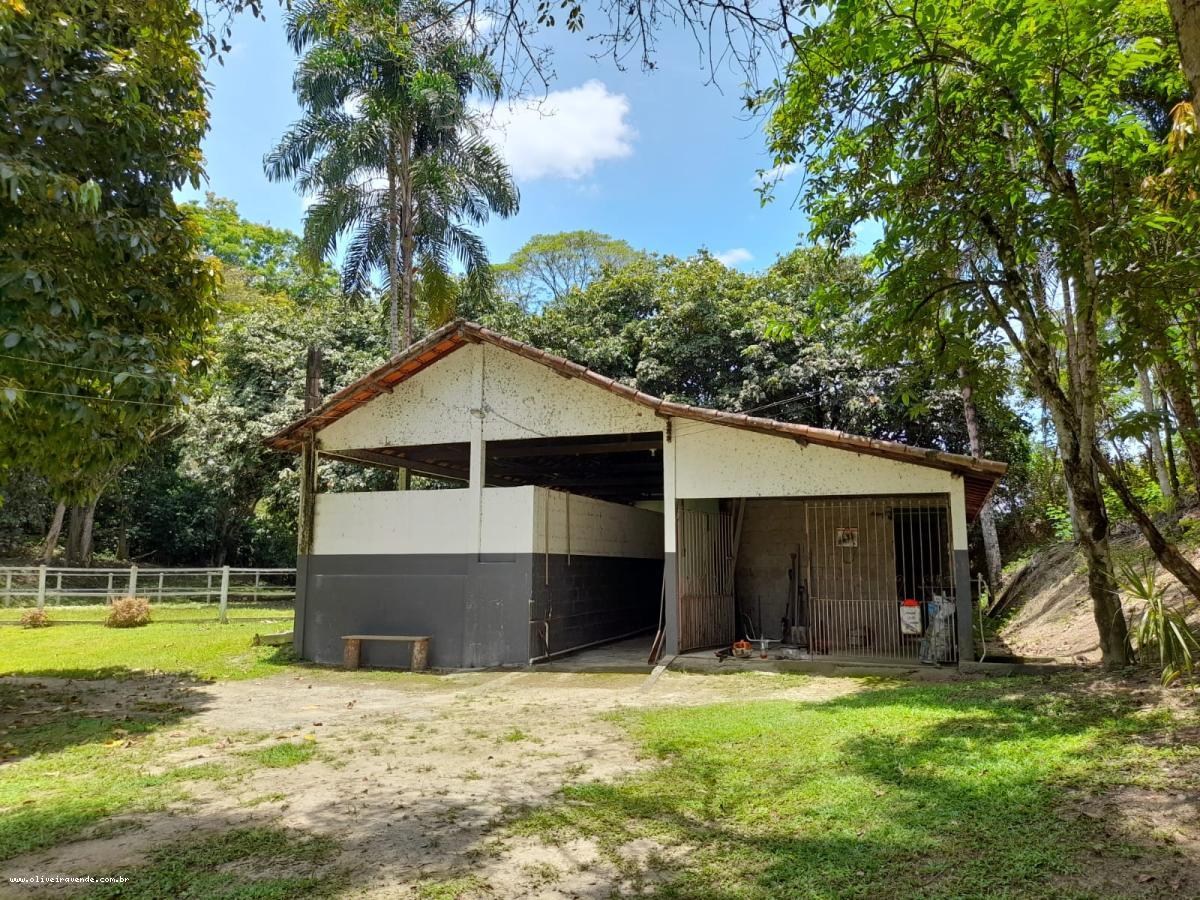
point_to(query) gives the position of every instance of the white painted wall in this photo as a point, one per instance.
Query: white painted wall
(397, 522)
(720, 461)
(514, 520)
(520, 399)
(588, 527)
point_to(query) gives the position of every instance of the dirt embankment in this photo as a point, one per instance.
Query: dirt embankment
(1045, 609)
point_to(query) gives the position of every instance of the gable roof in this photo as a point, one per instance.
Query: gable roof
(980, 475)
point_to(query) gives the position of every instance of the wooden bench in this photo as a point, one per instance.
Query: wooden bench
(352, 648)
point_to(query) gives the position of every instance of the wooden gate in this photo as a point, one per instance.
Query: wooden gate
(706, 562)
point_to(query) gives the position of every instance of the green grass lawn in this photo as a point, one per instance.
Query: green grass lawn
(959, 790)
(965, 789)
(205, 650)
(63, 772)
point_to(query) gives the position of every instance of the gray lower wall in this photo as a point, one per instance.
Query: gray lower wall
(478, 610)
(589, 599)
(475, 610)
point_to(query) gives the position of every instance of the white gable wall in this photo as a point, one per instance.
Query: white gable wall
(720, 461)
(522, 399)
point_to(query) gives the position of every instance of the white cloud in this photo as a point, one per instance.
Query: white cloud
(565, 135)
(734, 256)
(775, 175)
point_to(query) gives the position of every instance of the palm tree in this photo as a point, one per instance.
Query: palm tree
(391, 147)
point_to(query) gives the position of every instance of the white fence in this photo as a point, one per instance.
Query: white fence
(19, 585)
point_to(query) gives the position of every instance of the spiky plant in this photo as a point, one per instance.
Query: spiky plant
(1160, 631)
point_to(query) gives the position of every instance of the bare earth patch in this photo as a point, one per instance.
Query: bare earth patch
(1051, 611)
(415, 777)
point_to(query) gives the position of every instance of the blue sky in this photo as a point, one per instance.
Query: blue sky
(658, 158)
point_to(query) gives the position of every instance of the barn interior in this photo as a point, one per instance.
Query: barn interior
(598, 533)
(819, 577)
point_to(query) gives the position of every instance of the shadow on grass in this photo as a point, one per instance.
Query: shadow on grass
(53, 709)
(960, 790)
(261, 863)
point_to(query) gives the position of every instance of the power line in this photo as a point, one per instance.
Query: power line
(46, 362)
(100, 399)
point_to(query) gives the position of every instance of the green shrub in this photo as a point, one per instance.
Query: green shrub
(128, 612)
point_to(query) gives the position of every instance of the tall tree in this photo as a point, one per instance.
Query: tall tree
(994, 139)
(547, 266)
(103, 302)
(1185, 15)
(1158, 458)
(391, 147)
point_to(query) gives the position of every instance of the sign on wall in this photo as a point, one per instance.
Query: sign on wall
(846, 537)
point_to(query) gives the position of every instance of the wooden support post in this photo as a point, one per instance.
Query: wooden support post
(420, 655)
(352, 651)
(41, 594)
(308, 495)
(222, 610)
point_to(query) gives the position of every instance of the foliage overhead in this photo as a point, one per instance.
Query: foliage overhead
(391, 148)
(547, 266)
(103, 302)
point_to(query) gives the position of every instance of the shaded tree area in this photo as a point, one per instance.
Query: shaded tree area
(205, 490)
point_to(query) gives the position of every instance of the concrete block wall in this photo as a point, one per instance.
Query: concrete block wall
(586, 599)
(585, 526)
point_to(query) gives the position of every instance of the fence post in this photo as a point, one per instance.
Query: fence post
(160, 585)
(224, 607)
(133, 580)
(41, 597)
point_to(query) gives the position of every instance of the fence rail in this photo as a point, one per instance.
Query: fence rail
(54, 585)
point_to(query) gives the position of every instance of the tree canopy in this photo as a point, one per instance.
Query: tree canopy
(104, 302)
(547, 266)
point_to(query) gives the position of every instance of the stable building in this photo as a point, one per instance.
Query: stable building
(559, 509)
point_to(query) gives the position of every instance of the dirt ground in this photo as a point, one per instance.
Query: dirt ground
(414, 776)
(1049, 612)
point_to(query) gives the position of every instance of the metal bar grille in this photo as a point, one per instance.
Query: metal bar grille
(706, 606)
(863, 556)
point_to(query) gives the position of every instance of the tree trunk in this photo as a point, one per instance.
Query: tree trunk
(312, 379)
(1169, 446)
(123, 524)
(1164, 551)
(1192, 335)
(407, 235)
(1092, 521)
(50, 547)
(74, 535)
(1185, 14)
(987, 519)
(393, 254)
(1157, 456)
(1173, 380)
(85, 537)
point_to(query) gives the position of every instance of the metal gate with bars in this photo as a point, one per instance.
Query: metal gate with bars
(706, 563)
(860, 559)
(865, 556)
